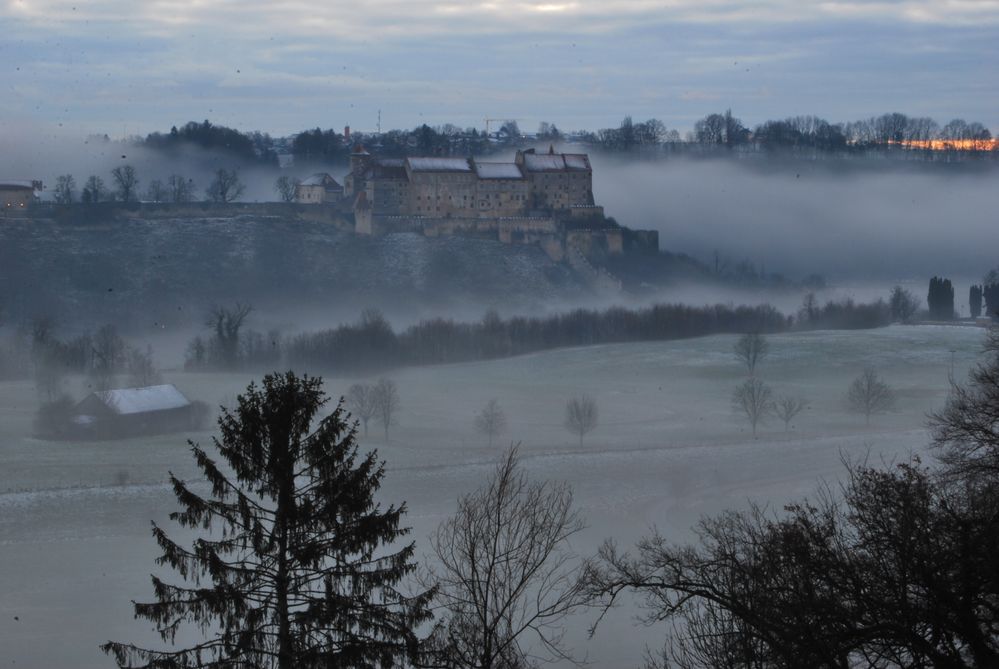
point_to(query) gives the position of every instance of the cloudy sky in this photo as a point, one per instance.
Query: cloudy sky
(132, 66)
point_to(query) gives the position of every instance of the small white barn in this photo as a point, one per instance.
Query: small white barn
(320, 188)
(129, 411)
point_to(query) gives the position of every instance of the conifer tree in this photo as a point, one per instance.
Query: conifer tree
(292, 567)
(975, 301)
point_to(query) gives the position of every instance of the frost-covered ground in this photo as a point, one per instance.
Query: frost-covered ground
(74, 517)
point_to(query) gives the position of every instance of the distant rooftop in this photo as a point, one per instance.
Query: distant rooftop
(125, 401)
(439, 164)
(320, 179)
(12, 184)
(556, 162)
(498, 170)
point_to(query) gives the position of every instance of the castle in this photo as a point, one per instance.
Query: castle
(466, 187)
(539, 198)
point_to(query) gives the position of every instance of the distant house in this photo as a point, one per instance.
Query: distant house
(18, 194)
(320, 188)
(133, 411)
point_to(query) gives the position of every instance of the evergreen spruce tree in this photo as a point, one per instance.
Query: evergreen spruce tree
(292, 568)
(975, 301)
(990, 293)
(940, 299)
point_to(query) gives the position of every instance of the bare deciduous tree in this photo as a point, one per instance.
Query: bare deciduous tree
(788, 407)
(285, 186)
(581, 416)
(862, 576)
(126, 182)
(869, 394)
(386, 402)
(361, 403)
(157, 192)
(225, 187)
(751, 348)
(491, 421)
(141, 370)
(107, 356)
(93, 190)
(48, 368)
(65, 189)
(180, 189)
(966, 431)
(226, 323)
(902, 304)
(753, 400)
(505, 573)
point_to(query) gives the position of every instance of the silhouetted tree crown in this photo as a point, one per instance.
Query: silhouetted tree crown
(295, 565)
(940, 299)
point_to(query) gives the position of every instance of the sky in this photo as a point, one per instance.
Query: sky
(124, 67)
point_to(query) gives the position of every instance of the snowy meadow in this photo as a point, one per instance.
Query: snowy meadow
(669, 448)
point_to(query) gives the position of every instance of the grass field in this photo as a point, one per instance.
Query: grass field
(74, 517)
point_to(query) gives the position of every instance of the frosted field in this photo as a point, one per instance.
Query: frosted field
(75, 547)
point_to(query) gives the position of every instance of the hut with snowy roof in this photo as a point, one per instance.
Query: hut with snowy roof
(134, 411)
(320, 188)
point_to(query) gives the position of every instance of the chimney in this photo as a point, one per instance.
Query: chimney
(346, 133)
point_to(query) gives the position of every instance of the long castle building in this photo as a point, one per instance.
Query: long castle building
(545, 199)
(534, 184)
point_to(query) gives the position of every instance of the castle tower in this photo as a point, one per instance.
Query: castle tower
(360, 161)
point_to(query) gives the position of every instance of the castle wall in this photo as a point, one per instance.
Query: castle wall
(502, 197)
(388, 196)
(595, 242)
(442, 193)
(561, 190)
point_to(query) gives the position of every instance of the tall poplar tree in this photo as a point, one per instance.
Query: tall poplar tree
(293, 566)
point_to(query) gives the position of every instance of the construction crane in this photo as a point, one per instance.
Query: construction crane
(500, 120)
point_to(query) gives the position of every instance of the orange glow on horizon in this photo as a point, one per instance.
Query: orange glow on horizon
(951, 144)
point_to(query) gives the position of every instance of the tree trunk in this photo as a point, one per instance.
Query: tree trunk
(286, 488)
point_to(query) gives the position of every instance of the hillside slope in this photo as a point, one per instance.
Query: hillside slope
(164, 269)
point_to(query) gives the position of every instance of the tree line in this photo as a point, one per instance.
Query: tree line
(296, 563)
(371, 344)
(327, 146)
(224, 187)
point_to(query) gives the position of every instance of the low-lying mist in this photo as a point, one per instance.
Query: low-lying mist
(849, 221)
(29, 153)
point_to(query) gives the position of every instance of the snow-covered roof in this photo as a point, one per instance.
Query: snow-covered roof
(124, 401)
(439, 164)
(545, 162)
(320, 179)
(498, 170)
(576, 161)
(8, 184)
(555, 162)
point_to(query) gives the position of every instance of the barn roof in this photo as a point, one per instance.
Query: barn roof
(17, 185)
(127, 401)
(439, 164)
(498, 170)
